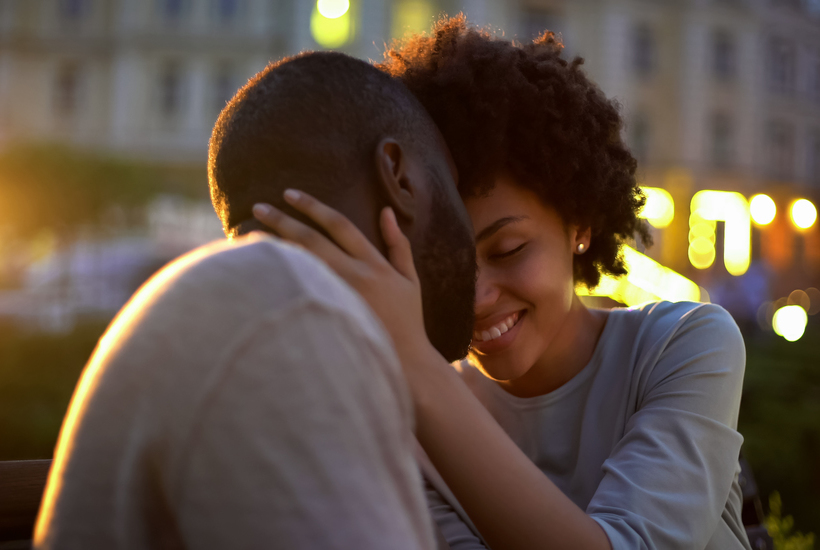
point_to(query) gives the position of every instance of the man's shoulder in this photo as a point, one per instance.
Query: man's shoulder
(259, 270)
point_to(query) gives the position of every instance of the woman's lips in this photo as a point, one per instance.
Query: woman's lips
(498, 336)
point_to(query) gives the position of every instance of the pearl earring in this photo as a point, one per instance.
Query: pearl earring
(580, 248)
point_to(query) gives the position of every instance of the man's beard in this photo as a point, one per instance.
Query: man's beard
(446, 266)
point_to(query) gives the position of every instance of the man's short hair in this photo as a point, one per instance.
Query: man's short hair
(313, 122)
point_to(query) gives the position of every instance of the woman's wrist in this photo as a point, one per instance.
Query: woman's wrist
(423, 367)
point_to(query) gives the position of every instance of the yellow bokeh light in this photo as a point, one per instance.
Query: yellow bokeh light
(702, 245)
(763, 209)
(412, 16)
(659, 209)
(330, 32)
(804, 214)
(332, 9)
(647, 281)
(733, 209)
(702, 259)
(790, 322)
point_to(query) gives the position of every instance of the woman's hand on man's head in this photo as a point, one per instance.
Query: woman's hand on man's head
(389, 285)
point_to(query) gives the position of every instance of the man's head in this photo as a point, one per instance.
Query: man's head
(358, 140)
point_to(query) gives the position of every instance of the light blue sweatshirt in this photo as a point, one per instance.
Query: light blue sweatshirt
(644, 438)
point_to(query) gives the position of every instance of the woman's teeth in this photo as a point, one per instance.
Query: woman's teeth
(496, 330)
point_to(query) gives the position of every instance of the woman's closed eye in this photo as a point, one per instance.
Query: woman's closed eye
(508, 253)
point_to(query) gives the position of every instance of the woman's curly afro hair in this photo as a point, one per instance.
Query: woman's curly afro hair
(505, 107)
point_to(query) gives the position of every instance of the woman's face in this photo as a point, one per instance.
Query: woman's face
(524, 288)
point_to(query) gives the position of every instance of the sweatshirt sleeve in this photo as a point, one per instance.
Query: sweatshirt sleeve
(305, 441)
(669, 477)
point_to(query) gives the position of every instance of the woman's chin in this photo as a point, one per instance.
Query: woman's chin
(499, 370)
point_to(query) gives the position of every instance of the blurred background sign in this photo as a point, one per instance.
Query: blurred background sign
(106, 107)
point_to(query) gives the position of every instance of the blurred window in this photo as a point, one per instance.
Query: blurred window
(643, 50)
(171, 11)
(782, 65)
(224, 86)
(812, 6)
(639, 137)
(226, 11)
(535, 21)
(813, 157)
(71, 11)
(814, 77)
(67, 89)
(724, 55)
(722, 140)
(780, 149)
(170, 89)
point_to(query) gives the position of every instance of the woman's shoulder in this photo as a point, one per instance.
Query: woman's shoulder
(670, 336)
(662, 320)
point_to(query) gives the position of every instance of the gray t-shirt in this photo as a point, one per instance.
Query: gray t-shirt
(643, 438)
(246, 397)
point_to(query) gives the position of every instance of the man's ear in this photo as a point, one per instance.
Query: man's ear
(392, 171)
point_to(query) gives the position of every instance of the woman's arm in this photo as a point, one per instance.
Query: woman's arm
(668, 481)
(512, 503)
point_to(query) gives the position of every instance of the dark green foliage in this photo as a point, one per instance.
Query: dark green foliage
(38, 373)
(781, 528)
(780, 420)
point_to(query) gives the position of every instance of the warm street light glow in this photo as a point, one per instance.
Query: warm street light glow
(647, 281)
(701, 242)
(659, 209)
(763, 209)
(725, 206)
(332, 9)
(790, 322)
(412, 16)
(331, 32)
(804, 214)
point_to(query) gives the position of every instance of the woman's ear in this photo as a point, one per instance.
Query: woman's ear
(581, 239)
(392, 173)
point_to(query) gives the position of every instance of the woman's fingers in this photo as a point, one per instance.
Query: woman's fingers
(297, 232)
(398, 245)
(336, 224)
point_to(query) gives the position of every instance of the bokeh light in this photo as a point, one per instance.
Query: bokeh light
(762, 209)
(332, 9)
(412, 16)
(331, 32)
(731, 208)
(804, 214)
(814, 297)
(647, 281)
(659, 209)
(790, 322)
(799, 298)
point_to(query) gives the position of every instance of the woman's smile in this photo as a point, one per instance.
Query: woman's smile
(497, 335)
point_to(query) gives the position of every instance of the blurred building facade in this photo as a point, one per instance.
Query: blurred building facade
(716, 94)
(725, 88)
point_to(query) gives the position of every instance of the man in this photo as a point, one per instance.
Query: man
(246, 397)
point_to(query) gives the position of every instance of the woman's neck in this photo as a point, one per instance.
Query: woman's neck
(568, 353)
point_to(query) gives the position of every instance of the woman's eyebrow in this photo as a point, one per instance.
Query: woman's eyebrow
(493, 228)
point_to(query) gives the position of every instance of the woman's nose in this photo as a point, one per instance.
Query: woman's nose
(486, 291)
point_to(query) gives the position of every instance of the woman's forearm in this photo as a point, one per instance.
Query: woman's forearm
(512, 503)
